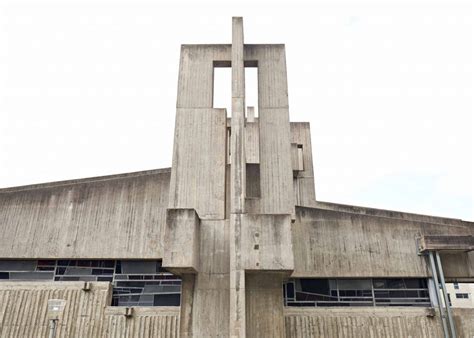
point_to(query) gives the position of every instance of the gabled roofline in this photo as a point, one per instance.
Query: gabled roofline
(84, 180)
(354, 209)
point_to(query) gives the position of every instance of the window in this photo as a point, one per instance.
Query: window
(456, 286)
(135, 283)
(462, 296)
(356, 292)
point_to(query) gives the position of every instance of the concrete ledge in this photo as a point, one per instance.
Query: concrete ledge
(359, 311)
(51, 285)
(143, 311)
(182, 236)
(446, 243)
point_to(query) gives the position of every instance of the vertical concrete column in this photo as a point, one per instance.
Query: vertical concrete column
(186, 315)
(237, 171)
(237, 182)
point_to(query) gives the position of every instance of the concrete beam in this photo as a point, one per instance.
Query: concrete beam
(446, 243)
(182, 241)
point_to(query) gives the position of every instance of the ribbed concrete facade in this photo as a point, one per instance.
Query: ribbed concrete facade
(236, 218)
(372, 322)
(87, 314)
(73, 219)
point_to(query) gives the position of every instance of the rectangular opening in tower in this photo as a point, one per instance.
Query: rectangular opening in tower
(223, 89)
(251, 89)
(222, 93)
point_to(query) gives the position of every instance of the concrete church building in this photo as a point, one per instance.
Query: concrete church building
(230, 241)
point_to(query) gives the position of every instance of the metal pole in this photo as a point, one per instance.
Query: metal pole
(440, 306)
(52, 328)
(445, 295)
(373, 292)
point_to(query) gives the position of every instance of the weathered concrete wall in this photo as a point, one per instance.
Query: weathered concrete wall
(199, 157)
(205, 295)
(210, 308)
(372, 322)
(330, 243)
(252, 142)
(276, 175)
(389, 213)
(23, 309)
(303, 183)
(458, 265)
(181, 249)
(361, 322)
(464, 321)
(305, 194)
(87, 314)
(146, 322)
(266, 243)
(74, 219)
(196, 74)
(264, 305)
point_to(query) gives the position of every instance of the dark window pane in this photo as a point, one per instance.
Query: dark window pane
(138, 267)
(354, 284)
(108, 264)
(395, 284)
(320, 286)
(290, 290)
(380, 284)
(415, 283)
(167, 300)
(45, 268)
(83, 271)
(31, 275)
(14, 265)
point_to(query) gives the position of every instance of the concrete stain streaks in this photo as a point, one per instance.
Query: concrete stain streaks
(198, 175)
(75, 219)
(196, 74)
(23, 312)
(364, 322)
(331, 243)
(232, 241)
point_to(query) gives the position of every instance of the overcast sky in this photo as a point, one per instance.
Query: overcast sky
(89, 88)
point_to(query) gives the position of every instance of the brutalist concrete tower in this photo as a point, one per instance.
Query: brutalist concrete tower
(228, 242)
(233, 250)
